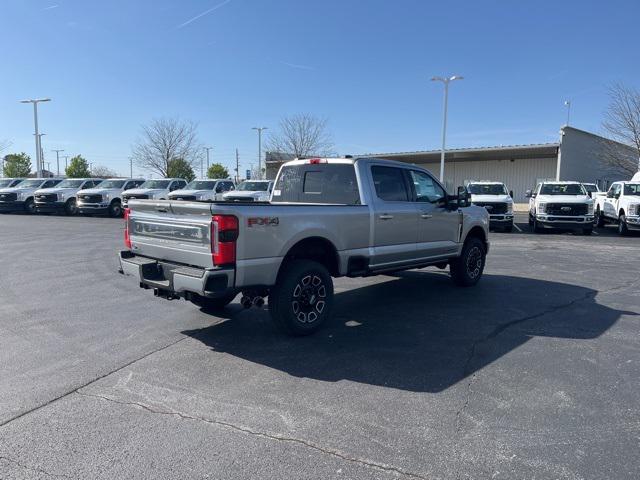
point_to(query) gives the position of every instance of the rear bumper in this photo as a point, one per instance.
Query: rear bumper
(574, 223)
(177, 280)
(49, 207)
(12, 206)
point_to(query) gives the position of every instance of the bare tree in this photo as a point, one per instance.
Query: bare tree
(103, 172)
(302, 135)
(622, 124)
(164, 140)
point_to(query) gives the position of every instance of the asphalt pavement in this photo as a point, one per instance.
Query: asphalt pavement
(533, 373)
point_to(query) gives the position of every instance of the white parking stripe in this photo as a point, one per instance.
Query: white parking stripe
(517, 227)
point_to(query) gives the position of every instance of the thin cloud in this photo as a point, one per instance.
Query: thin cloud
(206, 12)
(51, 7)
(298, 66)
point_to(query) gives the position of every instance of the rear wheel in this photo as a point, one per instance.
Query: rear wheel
(623, 229)
(213, 303)
(70, 207)
(302, 299)
(467, 269)
(30, 206)
(115, 209)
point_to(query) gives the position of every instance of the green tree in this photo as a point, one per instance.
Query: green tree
(17, 165)
(217, 171)
(78, 168)
(180, 168)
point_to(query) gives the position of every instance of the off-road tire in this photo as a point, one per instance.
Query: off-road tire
(599, 219)
(70, 207)
(466, 270)
(301, 301)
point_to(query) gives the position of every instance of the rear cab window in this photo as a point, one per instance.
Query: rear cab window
(334, 183)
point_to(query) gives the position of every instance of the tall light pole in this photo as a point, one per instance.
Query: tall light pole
(446, 81)
(260, 129)
(567, 103)
(58, 159)
(35, 102)
(66, 163)
(40, 135)
(207, 149)
(130, 167)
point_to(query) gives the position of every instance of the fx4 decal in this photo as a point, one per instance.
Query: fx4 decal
(263, 221)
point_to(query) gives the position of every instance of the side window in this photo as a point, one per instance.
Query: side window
(50, 183)
(130, 185)
(427, 190)
(390, 184)
(174, 186)
(228, 186)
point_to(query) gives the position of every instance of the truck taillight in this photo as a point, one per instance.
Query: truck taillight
(127, 238)
(223, 246)
(317, 161)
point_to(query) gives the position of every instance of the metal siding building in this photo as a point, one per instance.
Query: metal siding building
(576, 157)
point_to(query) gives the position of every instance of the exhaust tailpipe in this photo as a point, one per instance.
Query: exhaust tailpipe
(246, 301)
(258, 302)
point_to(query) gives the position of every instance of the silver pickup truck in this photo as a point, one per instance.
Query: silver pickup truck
(326, 218)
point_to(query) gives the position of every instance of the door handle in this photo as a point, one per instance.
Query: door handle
(426, 216)
(385, 216)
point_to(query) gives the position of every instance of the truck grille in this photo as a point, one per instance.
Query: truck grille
(493, 208)
(566, 209)
(184, 197)
(90, 198)
(138, 196)
(46, 198)
(8, 197)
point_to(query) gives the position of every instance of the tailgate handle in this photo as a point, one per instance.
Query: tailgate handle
(162, 210)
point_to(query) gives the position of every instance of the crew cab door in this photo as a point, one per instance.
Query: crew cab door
(395, 217)
(438, 225)
(610, 205)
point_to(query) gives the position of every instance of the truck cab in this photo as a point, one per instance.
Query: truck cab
(496, 199)
(620, 205)
(251, 191)
(106, 197)
(205, 190)
(560, 205)
(20, 198)
(62, 197)
(154, 189)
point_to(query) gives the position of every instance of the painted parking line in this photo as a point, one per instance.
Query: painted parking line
(517, 228)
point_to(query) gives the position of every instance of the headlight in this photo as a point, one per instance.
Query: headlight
(107, 197)
(509, 207)
(22, 195)
(61, 197)
(634, 207)
(590, 209)
(542, 207)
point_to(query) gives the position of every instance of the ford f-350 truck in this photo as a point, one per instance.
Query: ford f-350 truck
(326, 218)
(619, 205)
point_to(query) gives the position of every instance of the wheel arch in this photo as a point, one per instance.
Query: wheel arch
(316, 248)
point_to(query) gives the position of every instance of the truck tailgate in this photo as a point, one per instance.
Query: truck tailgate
(179, 232)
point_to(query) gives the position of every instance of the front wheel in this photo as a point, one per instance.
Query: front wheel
(599, 219)
(30, 206)
(302, 299)
(115, 209)
(623, 229)
(587, 231)
(467, 269)
(70, 207)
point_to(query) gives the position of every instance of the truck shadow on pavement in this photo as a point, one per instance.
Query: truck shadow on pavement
(416, 331)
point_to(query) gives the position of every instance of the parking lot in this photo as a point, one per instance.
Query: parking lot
(533, 373)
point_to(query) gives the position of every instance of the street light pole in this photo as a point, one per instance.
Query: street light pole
(40, 135)
(446, 81)
(35, 102)
(207, 149)
(567, 103)
(130, 167)
(260, 129)
(58, 159)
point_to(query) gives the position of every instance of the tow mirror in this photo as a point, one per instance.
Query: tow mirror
(528, 194)
(511, 193)
(463, 197)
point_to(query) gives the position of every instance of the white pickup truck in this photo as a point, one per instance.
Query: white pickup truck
(155, 189)
(106, 197)
(619, 205)
(207, 190)
(250, 191)
(495, 197)
(563, 205)
(326, 218)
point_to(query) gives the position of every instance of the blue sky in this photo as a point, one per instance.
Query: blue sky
(111, 66)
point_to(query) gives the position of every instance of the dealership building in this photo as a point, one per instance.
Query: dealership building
(578, 155)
